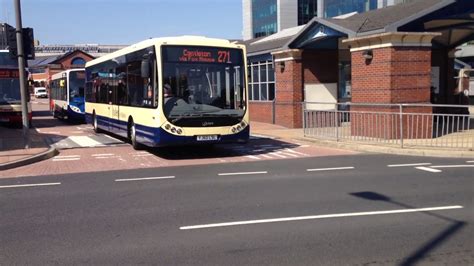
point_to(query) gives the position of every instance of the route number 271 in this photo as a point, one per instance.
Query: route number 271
(223, 56)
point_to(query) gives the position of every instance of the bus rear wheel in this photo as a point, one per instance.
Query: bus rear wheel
(95, 124)
(132, 135)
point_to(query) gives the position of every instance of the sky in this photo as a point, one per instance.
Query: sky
(125, 21)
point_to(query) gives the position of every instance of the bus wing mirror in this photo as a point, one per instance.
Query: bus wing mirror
(145, 68)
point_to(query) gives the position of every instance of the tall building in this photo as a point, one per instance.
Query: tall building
(266, 17)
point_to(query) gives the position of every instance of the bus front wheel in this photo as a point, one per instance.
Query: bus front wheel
(132, 135)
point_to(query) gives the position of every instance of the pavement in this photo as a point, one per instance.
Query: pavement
(13, 154)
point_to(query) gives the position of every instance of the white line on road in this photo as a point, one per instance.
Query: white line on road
(67, 156)
(84, 141)
(103, 154)
(330, 169)
(295, 152)
(428, 169)
(31, 185)
(277, 154)
(469, 161)
(144, 178)
(453, 166)
(324, 216)
(287, 154)
(252, 157)
(244, 173)
(65, 159)
(408, 164)
(142, 155)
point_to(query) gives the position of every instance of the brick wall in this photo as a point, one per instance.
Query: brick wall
(289, 94)
(261, 111)
(394, 75)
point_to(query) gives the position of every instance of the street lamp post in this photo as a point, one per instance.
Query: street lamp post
(21, 66)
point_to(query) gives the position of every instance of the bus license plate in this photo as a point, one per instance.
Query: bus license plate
(207, 138)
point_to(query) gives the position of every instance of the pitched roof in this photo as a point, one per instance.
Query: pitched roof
(55, 59)
(389, 18)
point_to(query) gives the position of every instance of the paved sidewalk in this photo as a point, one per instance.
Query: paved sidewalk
(13, 153)
(279, 132)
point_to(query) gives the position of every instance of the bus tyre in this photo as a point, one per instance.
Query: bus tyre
(133, 136)
(95, 124)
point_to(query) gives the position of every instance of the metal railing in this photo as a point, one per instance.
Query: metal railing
(403, 125)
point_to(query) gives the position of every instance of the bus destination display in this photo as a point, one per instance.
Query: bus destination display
(201, 55)
(9, 74)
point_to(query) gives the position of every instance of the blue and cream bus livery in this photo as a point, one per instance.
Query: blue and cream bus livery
(67, 95)
(171, 91)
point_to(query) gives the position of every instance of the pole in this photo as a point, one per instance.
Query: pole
(21, 66)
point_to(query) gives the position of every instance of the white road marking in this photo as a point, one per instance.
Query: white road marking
(103, 154)
(51, 132)
(142, 155)
(252, 157)
(278, 155)
(408, 164)
(266, 156)
(330, 169)
(324, 216)
(144, 178)
(453, 166)
(469, 161)
(296, 152)
(65, 159)
(67, 156)
(428, 169)
(287, 154)
(244, 173)
(31, 185)
(84, 141)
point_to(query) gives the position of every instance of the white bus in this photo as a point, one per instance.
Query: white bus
(67, 94)
(171, 91)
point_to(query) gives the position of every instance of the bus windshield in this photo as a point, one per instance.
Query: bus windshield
(9, 86)
(202, 82)
(77, 81)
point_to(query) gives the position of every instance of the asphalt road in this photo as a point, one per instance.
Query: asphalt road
(347, 210)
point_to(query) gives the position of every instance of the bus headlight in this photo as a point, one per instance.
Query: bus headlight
(75, 109)
(173, 129)
(239, 127)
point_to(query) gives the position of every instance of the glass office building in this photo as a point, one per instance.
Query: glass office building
(264, 17)
(333, 8)
(307, 9)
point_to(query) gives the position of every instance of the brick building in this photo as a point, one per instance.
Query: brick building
(399, 54)
(42, 68)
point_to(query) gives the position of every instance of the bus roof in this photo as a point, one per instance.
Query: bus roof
(60, 74)
(182, 40)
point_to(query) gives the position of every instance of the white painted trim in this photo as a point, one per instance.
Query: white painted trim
(387, 45)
